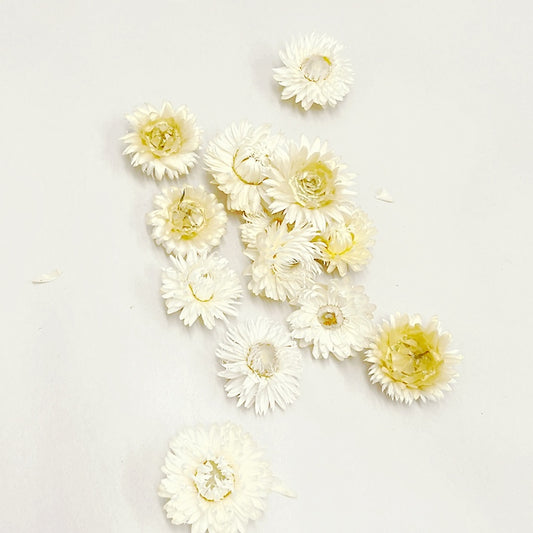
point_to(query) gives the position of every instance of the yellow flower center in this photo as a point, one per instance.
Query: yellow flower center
(313, 185)
(263, 359)
(162, 137)
(249, 164)
(202, 285)
(187, 218)
(330, 316)
(316, 68)
(412, 358)
(339, 241)
(214, 479)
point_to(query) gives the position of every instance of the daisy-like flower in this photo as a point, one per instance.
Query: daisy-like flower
(239, 160)
(163, 142)
(309, 184)
(335, 318)
(262, 365)
(216, 479)
(201, 285)
(283, 261)
(411, 360)
(315, 71)
(188, 218)
(346, 245)
(257, 224)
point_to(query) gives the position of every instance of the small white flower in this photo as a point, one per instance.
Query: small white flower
(283, 261)
(411, 360)
(239, 159)
(257, 224)
(216, 479)
(188, 218)
(346, 245)
(309, 184)
(163, 142)
(262, 365)
(336, 318)
(315, 71)
(201, 285)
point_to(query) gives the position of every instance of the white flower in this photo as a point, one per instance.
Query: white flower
(216, 479)
(315, 71)
(239, 159)
(346, 244)
(336, 318)
(255, 225)
(411, 360)
(201, 285)
(309, 184)
(163, 142)
(188, 218)
(262, 365)
(283, 261)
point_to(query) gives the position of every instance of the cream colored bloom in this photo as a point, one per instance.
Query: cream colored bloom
(216, 479)
(283, 261)
(201, 285)
(308, 184)
(411, 360)
(163, 142)
(257, 224)
(335, 318)
(239, 160)
(262, 365)
(346, 244)
(188, 218)
(314, 71)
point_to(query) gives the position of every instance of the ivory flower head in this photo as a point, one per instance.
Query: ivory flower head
(412, 360)
(163, 142)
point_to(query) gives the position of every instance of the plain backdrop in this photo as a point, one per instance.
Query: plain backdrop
(96, 378)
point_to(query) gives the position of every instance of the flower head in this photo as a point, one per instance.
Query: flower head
(163, 142)
(188, 218)
(283, 261)
(239, 160)
(335, 318)
(262, 365)
(200, 285)
(346, 244)
(315, 71)
(216, 479)
(309, 184)
(411, 360)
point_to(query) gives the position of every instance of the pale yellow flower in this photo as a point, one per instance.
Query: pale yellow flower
(411, 360)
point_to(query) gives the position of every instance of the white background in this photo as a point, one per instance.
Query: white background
(96, 379)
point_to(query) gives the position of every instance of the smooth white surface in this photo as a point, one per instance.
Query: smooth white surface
(96, 379)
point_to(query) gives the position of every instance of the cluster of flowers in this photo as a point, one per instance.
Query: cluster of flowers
(303, 235)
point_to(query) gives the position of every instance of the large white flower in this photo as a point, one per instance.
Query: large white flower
(335, 318)
(262, 365)
(315, 71)
(239, 160)
(188, 218)
(309, 184)
(163, 142)
(346, 244)
(411, 360)
(216, 479)
(283, 261)
(201, 285)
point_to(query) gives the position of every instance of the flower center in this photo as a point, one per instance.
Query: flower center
(316, 68)
(263, 359)
(412, 358)
(163, 137)
(187, 218)
(339, 241)
(312, 185)
(250, 163)
(202, 285)
(330, 316)
(214, 479)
